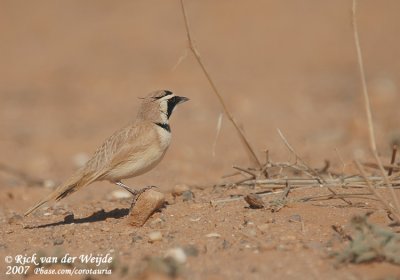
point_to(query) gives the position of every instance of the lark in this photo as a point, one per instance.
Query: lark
(129, 152)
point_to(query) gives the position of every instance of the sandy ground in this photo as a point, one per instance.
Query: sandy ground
(71, 74)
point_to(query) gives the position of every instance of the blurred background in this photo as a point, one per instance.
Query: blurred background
(71, 73)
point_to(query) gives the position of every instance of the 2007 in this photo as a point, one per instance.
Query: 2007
(12, 270)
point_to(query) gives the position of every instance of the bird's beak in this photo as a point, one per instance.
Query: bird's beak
(181, 99)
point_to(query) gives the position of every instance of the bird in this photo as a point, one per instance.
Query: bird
(129, 152)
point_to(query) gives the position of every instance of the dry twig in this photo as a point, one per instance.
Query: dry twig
(196, 54)
(368, 106)
(385, 203)
(392, 161)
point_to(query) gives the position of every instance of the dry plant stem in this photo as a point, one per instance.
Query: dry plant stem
(336, 195)
(311, 171)
(308, 170)
(215, 202)
(368, 106)
(196, 54)
(385, 203)
(341, 160)
(339, 182)
(219, 125)
(245, 171)
(363, 80)
(392, 161)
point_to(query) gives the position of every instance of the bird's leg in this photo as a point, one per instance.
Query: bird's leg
(122, 185)
(135, 193)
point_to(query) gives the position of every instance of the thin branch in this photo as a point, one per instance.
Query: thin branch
(354, 181)
(312, 172)
(196, 54)
(393, 159)
(368, 107)
(363, 80)
(219, 125)
(245, 171)
(385, 203)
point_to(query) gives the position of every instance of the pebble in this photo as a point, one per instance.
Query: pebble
(177, 254)
(105, 229)
(15, 219)
(179, 190)
(155, 236)
(157, 222)
(295, 218)
(226, 244)
(136, 238)
(213, 235)
(195, 219)
(147, 203)
(191, 250)
(254, 200)
(58, 241)
(120, 194)
(250, 231)
(187, 195)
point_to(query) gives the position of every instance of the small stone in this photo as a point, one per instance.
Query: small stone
(176, 254)
(105, 229)
(179, 190)
(191, 250)
(294, 218)
(59, 211)
(155, 236)
(225, 244)
(187, 195)
(157, 222)
(58, 241)
(136, 238)
(254, 200)
(195, 219)
(147, 203)
(250, 232)
(120, 194)
(15, 219)
(213, 235)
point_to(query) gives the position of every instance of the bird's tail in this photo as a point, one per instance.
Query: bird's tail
(62, 191)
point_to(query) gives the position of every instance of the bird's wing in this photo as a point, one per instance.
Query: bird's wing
(136, 145)
(118, 149)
